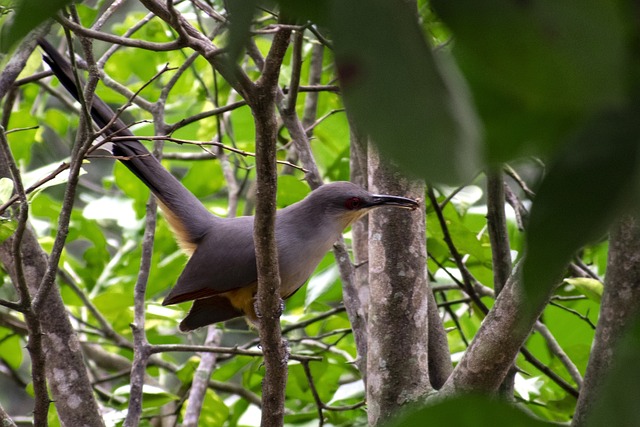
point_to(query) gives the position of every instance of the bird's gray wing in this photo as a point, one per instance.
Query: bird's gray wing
(224, 260)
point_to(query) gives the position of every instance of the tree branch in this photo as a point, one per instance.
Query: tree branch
(620, 305)
(497, 228)
(269, 302)
(398, 306)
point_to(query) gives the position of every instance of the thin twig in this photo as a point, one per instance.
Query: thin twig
(574, 312)
(124, 41)
(523, 185)
(467, 277)
(201, 144)
(164, 348)
(557, 351)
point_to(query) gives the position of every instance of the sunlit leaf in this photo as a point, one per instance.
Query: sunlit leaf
(321, 283)
(10, 348)
(35, 175)
(152, 397)
(7, 228)
(348, 391)
(214, 411)
(591, 288)
(6, 189)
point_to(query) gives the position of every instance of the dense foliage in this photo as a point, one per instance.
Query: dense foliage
(530, 105)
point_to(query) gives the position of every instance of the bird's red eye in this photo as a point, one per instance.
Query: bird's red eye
(353, 203)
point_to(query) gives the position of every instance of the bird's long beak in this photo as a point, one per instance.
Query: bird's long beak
(396, 201)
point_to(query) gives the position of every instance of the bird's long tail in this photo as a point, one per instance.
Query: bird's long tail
(186, 214)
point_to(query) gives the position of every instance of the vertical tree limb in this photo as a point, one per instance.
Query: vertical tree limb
(440, 366)
(201, 379)
(314, 179)
(141, 346)
(315, 78)
(620, 306)
(497, 229)
(500, 249)
(398, 305)
(141, 351)
(262, 103)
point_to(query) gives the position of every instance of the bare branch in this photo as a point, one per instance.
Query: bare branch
(201, 380)
(123, 41)
(269, 302)
(497, 227)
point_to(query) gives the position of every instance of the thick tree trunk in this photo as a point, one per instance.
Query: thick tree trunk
(398, 356)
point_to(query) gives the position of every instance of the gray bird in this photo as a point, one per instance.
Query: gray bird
(221, 274)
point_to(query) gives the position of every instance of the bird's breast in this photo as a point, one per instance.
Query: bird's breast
(300, 256)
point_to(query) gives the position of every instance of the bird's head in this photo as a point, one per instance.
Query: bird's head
(348, 202)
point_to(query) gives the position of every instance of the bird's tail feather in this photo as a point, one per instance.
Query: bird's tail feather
(186, 214)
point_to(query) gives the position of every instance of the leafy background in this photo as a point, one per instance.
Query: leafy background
(549, 88)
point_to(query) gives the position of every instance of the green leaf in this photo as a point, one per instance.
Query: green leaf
(301, 418)
(114, 304)
(320, 283)
(6, 189)
(7, 228)
(468, 411)
(23, 142)
(132, 187)
(58, 120)
(290, 190)
(29, 389)
(591, 288)
(29, 14)
(236, 411)
(214, 411)
(10, 348)
(582, 193)
(348, 392)
(52, 417)
(152, 397)
(409, 102)
(232, 367)
(204, 178)
(33, 176)
(527, 64)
